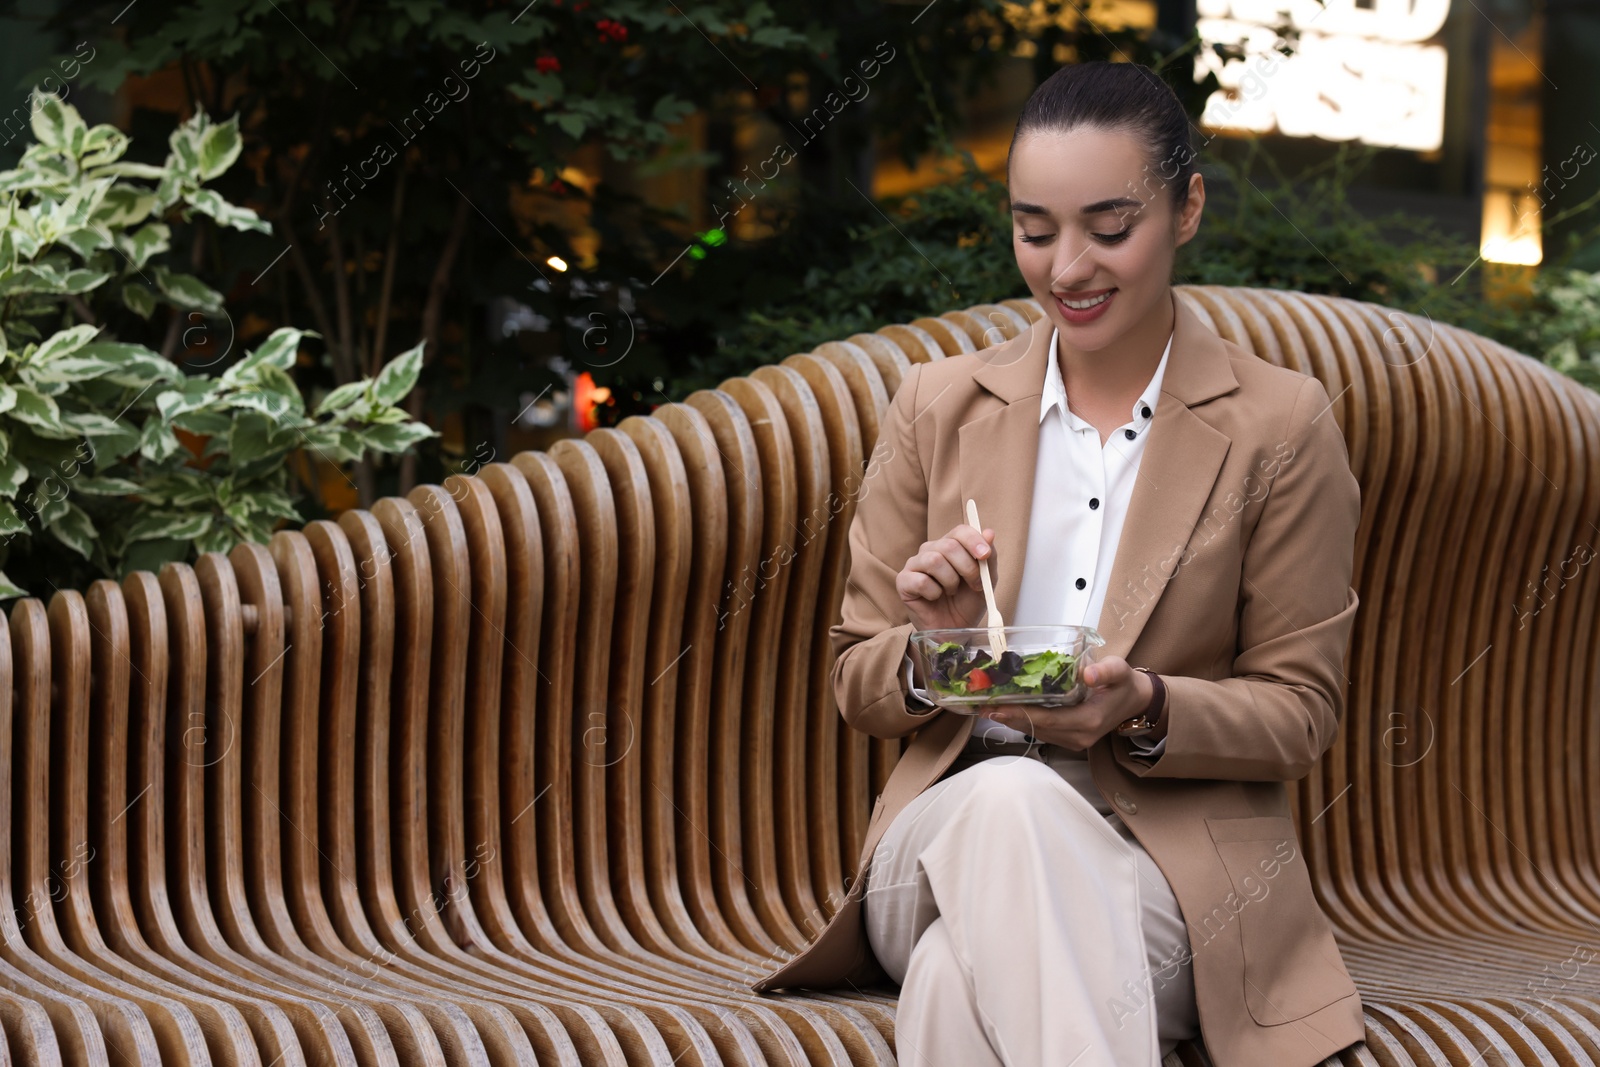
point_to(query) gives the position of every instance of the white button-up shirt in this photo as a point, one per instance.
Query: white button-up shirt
(1081, 490)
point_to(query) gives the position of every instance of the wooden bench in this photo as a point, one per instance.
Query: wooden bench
(542, 766)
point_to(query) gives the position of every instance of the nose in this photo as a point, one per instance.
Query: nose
(1075, 265)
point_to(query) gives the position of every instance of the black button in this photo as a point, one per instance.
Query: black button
(1094, 502)
(1129, 434)
(1145, 411)
(1081, 583)
(1029, 738)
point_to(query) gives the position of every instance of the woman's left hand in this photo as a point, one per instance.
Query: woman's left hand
(1117, 693)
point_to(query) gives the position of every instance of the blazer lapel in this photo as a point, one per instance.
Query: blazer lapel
(1182, 458)
(999, 454)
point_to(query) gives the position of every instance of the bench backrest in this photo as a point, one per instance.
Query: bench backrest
(589, 687)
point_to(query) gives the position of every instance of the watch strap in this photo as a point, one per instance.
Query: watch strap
(1150, 717)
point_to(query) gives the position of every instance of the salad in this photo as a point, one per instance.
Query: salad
(959, 671)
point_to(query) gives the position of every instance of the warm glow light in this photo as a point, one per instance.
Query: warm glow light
(1359, 72)
(586, 396)
(1511, 228)
(1522, 250)
(557, 262)
(1391, 20)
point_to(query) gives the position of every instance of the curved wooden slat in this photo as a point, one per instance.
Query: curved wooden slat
(81, 678)
(918, 344)
(695, 668)
(954, 335)
(423, 761)
(759, 596)
(281, 583)
(39, 1017)
(360, 603)
(514, 503)
(229, 755)
(735, 443)
(119, 682)
(134, 1031)
(542, 765)
(840, 823)
(162, 681)
(875, 757)
(685, 1037)
(795, 552)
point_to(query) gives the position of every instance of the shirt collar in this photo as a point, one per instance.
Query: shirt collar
(1055, 390)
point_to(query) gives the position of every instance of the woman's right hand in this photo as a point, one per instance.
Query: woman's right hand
(941, 585)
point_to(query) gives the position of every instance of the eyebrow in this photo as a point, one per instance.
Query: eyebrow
(1019, 207)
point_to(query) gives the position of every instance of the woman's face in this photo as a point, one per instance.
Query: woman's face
(1094, 225)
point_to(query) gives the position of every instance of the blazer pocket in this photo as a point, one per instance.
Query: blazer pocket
(1292, 965)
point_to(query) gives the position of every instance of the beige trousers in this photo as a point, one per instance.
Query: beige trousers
(1025, 924)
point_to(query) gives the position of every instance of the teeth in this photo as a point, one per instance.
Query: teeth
(1079, 305)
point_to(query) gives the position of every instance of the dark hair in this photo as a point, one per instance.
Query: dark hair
(1115, 96)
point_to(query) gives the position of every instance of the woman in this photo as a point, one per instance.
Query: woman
(1093, 884)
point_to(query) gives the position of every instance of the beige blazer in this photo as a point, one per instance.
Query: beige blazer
(1232, 580)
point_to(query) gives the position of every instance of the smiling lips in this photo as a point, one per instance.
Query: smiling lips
(1085, 301)
(1084, 307)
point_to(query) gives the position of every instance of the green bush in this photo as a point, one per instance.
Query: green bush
(1564, 328)
(1303, 234)
(94, 479)
(1275, 231)
(949, 246)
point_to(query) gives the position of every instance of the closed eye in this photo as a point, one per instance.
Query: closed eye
(1104, 238)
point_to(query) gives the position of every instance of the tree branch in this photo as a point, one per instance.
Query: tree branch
(343, 361)
(191, 89)
(319, 310)
(81, 308)
(391, 256)
(432, 312)
(169, 343)
(358, 350)
(318, 143)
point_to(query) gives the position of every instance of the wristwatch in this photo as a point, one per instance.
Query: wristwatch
(1147, 720)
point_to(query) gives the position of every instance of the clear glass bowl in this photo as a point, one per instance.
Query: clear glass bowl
(1042, 665)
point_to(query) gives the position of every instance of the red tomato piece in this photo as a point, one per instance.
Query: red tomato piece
(977, 679)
